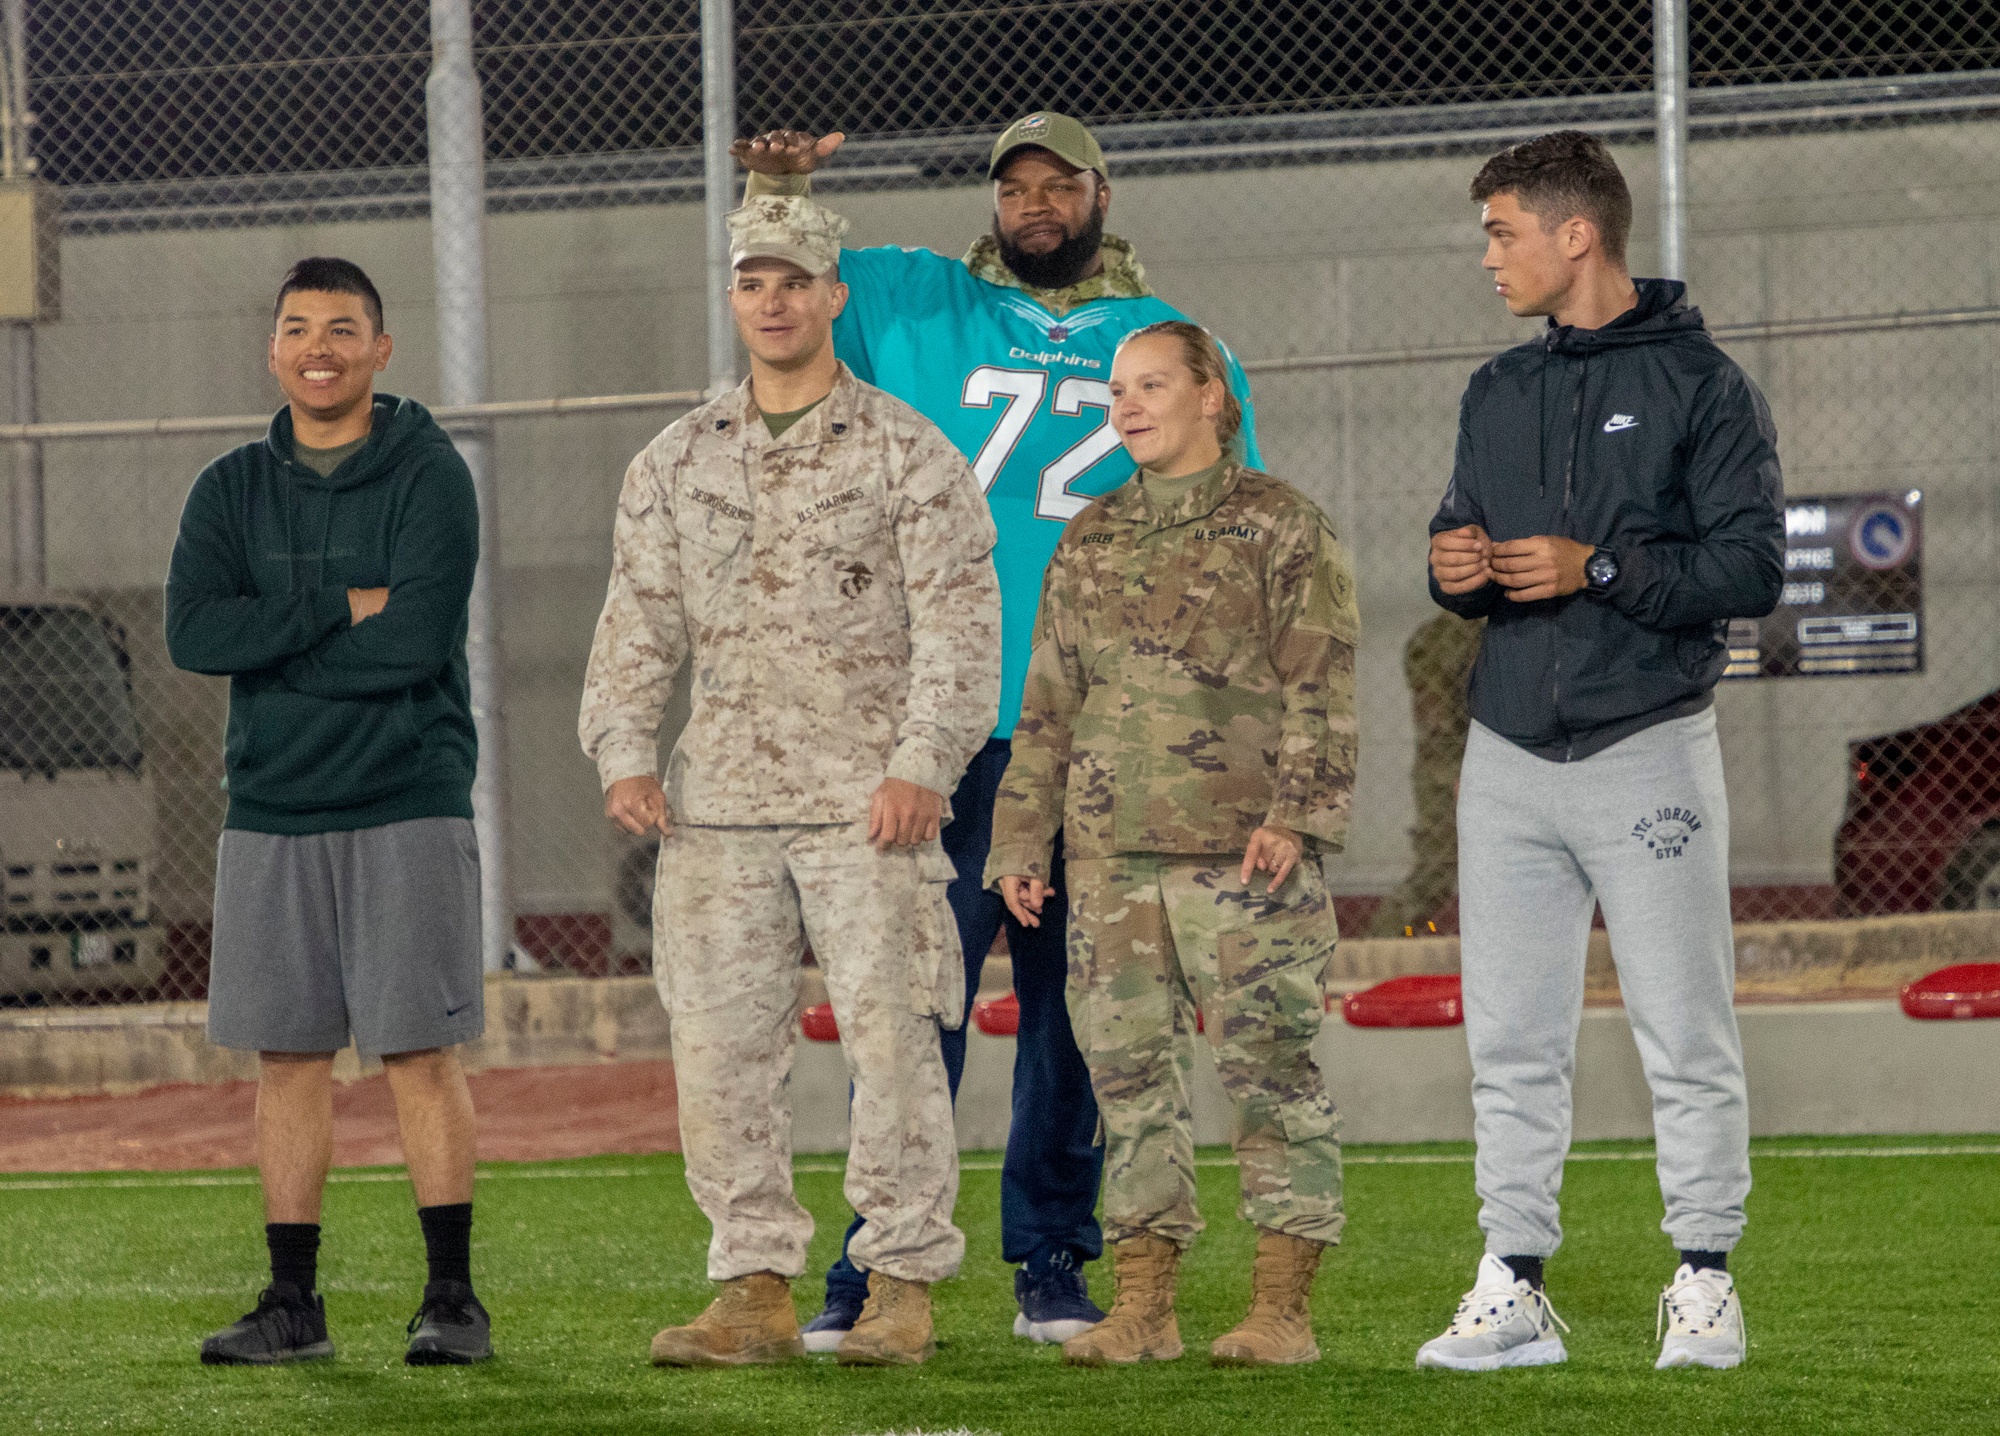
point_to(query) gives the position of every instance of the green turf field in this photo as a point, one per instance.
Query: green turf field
(1869, 1282)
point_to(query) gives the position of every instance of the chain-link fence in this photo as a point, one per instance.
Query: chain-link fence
(1293, 175)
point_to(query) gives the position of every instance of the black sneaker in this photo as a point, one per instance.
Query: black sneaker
(288, 1325)
(451, 1328)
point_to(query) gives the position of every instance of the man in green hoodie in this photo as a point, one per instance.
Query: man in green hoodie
(325, 569)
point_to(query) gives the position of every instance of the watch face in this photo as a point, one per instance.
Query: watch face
(1601, 569)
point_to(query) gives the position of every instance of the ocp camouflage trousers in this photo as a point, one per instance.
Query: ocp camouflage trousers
(1150, 939)
(733, 910)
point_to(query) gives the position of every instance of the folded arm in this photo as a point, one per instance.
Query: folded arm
(433, 552)
(214, 624)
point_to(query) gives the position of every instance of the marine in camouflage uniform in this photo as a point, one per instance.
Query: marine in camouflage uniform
(1192, 681)
(833, 591)
(1437, 664)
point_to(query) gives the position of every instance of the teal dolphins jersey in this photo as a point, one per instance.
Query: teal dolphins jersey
(1024, 394)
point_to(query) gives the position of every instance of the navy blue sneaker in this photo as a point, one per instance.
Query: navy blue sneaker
(824, 1333)
(1055, 1304)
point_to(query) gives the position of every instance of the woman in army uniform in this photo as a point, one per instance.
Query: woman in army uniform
(1188, 724)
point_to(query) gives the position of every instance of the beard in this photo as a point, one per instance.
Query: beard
(1060, 267)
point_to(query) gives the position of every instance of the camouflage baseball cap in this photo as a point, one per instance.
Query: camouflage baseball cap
(789, 227)
(1060, 135)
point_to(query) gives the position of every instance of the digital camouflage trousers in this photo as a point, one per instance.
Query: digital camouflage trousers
(733, 911)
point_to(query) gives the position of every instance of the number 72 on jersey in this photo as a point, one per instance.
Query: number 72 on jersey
(1021, 391)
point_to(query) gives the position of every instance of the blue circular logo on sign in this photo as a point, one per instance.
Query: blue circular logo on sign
(1881, 536)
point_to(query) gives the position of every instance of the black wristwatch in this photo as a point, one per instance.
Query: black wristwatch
(1600, 570)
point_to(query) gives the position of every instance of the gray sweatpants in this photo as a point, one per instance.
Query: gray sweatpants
(1642, 828)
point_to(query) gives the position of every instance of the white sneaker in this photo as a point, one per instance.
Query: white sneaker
(1502, 1321)
(1703, 1320)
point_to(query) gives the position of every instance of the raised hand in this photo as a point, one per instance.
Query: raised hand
(786, 152)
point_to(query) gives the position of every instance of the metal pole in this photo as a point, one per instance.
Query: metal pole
(31, 552)
(718, 129)
(28, 510)
(1670, 98)
(458, 254)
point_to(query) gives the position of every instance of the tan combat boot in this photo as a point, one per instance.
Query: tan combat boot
(750, 1323)
(894, 1328)
(1278, 1330)
(1142, 1325)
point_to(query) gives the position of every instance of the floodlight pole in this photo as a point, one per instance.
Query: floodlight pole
(458, 255)
(718, 129)
(1670, 99)
(28, 524)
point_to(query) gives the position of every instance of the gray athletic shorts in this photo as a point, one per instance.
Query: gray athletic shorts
(372, 933)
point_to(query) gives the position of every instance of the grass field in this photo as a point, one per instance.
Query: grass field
(1871, 1282)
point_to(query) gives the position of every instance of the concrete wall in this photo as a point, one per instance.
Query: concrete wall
(1304, 260)
(1818, 992)
(1813, 1067)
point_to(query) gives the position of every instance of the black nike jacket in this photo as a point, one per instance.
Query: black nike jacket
(1643, 438)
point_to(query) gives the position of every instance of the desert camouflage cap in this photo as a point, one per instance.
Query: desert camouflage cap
(1066, 138)
(789, 227)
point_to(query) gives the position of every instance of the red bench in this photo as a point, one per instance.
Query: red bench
(1001, 1016)
(817, 1023)
(1967, 989)
(998, 1016)
(1424, 1000)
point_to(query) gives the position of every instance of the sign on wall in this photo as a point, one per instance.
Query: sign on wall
(1853, 600)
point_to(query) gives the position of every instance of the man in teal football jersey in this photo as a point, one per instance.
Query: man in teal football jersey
(1008, 351)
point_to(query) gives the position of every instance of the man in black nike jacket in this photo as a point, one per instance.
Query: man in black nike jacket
(1616, 500)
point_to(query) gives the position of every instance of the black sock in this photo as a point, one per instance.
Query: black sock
(1527, 1269)
(294, 1253)
(1706, 1261)
(448, 1241)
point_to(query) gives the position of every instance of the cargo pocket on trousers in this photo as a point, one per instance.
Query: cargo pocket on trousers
(1270, 972)
(937, 961)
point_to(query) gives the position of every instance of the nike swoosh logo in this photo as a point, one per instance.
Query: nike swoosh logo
(454, 1011)
(1618, 423)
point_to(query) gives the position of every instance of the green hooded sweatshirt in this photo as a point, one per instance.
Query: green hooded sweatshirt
(334, 725)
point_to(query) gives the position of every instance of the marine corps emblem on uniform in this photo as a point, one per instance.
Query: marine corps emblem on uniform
(859, 576)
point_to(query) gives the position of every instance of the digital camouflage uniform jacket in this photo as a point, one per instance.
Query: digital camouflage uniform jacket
(1192, 679)
(834, 590)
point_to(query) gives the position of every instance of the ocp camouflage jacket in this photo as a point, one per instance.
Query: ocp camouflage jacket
(834, 590)
(1192, 679)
